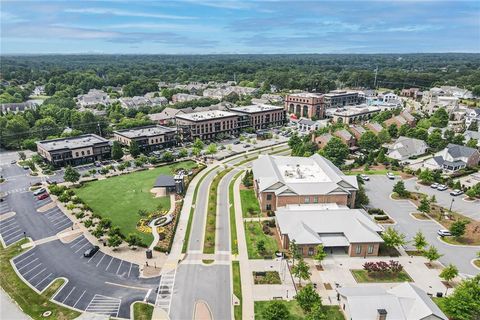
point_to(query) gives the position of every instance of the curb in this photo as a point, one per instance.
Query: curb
(457, 245)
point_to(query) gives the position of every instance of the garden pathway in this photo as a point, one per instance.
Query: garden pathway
(156, 236)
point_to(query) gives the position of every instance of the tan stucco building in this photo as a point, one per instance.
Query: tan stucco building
(261, 116)
(148, 138)
(208, 124)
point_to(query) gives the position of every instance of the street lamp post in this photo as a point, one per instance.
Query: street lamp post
(451, 204)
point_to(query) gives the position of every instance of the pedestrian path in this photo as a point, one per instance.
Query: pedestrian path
(165, 290)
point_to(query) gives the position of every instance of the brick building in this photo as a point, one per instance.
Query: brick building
(208, 124)
(148, 138)
(305, 104)
(262, 116)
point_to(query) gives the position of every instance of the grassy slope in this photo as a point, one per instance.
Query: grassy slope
(32, 303)
(254, 233)
(249, 200)
(120, 198)
(296, 313)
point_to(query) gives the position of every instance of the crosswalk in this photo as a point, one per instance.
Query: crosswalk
(104, 305)
(165, 291)
(18, 190)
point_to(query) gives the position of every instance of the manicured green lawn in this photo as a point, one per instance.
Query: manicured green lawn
(477, 263)
(363, 276)
(253, 234)
(119, 198)
(296, 313)
(142, 311)
(50, 291)
(460, 241)
(32, 303)
(237, 289)
(249, 203)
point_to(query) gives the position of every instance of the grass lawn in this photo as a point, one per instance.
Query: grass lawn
(460, 241)
(142, 311)
(440, 302)
(362, 276)
(254, 233)
(119, 198)
(249, 203)
(477, 263)
(237, 289)
(50, 291)
(296, 313)
(32, 303)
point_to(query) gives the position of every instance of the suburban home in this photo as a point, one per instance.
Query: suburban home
(74, 150)
(18, 107)
(92, 98)
(473, 115)
(346, 137)
(338, 228)
(357, 131)
(403, 118)
(403, 148)
(388, 96)
(414, 93)
(307, 125)
(148, 138)
(375, 127)
(167, 116)
(183, 97)
(469, 135)
(405, 301)
(322, 140)
(454, 157)
(283, 180)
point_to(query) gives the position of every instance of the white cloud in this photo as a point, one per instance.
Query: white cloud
(123, 13)
(7, 17)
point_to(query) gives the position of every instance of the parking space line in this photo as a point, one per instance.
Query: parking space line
(60, 221)
(86, 244)
(51, 213)
(119, 266)
(68, 295)
(19, 269)
(92, 257)
(109, 263)
(129, 269)
(9, 224)
(38, 265)
(78, 242)
(63, 226)
(8, 234)
(29, 280)
(44, 279)
(23, 258)
(57, 219)
(100, 260)
(16, 237)
(79, 298)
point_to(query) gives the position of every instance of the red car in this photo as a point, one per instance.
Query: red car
(42, 196)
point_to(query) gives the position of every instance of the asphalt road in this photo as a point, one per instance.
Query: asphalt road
(469, 209)
(379, 189)
(102, 284)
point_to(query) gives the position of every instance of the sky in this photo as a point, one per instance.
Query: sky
(223, 26)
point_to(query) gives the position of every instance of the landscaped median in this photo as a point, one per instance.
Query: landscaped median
(381, 271)
(237, 289)
(295, 312)
(142, 311)
(32, 303)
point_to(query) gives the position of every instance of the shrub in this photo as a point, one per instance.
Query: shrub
(88, 223)
(80, 215)
(381, 218)
(378, 211)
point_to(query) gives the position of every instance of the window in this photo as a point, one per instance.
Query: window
(88, 152)
(268, 207)
(269, 197)
(307, 199)
(315, 199)
(76, 154)
(83, 153)
(310, 251)
(358, 250)
(370, 249)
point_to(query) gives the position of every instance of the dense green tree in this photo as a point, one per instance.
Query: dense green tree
(464, 302)
(432, 254)
(392, 238)
(399, 188)
(301, 271)
(393, 130)
(458, 228)
(114, 241)
(439, 118)
(134, 149)
(424, 205)
(335, 151)
(307, 297)
(449, 273)
(426, 176)
(384, 136)
(320, 254)
(71, 175)
(276, 310)
(419, 241)
(369, 142)
(472, 143)
(117, 152)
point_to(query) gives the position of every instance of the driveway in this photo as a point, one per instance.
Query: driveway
(379, 189)
(467, 208)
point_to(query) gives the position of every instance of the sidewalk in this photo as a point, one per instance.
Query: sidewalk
(248, 311)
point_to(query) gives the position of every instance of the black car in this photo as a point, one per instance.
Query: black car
(91, 252)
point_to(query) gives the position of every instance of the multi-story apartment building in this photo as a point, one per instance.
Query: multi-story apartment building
(209, 124)
(355, 114)
(183, 97)
(262, 116)
(284, 180)
(148, 138)
(305, 104)
(74, 150)
(341, 98)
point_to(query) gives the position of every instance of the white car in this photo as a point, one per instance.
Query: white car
(442, 187)
(456, 192)
(390, 176)
(365, 177)
(444, 233)
(434, 185)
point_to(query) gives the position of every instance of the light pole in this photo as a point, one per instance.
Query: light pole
(451, 204)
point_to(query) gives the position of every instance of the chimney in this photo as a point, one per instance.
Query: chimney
(381, 314)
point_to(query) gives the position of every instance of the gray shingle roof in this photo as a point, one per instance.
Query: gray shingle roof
(457, 151)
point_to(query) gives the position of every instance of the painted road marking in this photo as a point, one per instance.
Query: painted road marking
(125, 286)
(38, 265)
(86, 244)
(100, 260)
(119, 266)
(78, 243)
(63, 226)
(104, 305)
(8, 224)
(130, 269)
(79, 298)
(21, 268)
(68, 295)
(30, 280)
(8, 234)
(74, 242)
(147, 295)
(38, 284)
(26, 257)
(109, 263)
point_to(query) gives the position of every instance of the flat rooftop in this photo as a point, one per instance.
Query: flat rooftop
(149, 131)
(206, 115)
(335, 93)
(356, 110)
(301, 170)
(72, 142)
(306, 95)
(254, 108)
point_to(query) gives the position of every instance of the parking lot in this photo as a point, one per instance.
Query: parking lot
(58, 220)
(4, 207)
(10, 231)
(101, 284)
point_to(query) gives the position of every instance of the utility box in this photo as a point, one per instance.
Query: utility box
(149, 254)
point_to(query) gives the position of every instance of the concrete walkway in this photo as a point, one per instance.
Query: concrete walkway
(248, 311)
(156, 236)
(9, 309)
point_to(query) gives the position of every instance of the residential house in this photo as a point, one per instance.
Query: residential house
(346, 137)
(375, 127)
(473, 115)
(17, 107)
(183, 97)
(469, 135)
(388, 96)
(338, 228)
(322, 140)
(403, 118)
(166, 117)
(414, 93)
(283, 180)
(307, 125)
(404, 301)
(140, 101)
(39, 91)
(404, 148)
(224, 91)
(357, 131)
(92, 98)
(453, 158)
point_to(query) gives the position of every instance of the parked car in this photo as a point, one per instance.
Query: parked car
(42, 196)
(246, 146)
(434, 185)
(365, 177)
(39, 191)
(390, 176)
(91, 251)
(98, 164)
(26, 167)
(456, 192)
(442, 187)
(444, 233)
(236, 142)
(13, 161)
